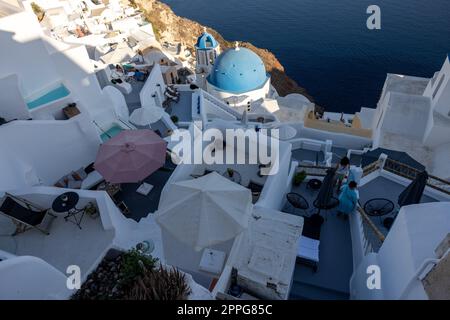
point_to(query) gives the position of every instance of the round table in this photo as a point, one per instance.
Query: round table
(314, 184)
(378, 207)
(297, 201)
(66, 203)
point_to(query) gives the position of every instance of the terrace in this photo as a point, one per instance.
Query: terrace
(66, 243)
(343, 243)
(141, 206)
(182, 108)
(331, 281)
(384, 188)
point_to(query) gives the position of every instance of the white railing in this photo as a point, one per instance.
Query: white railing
(220, 104)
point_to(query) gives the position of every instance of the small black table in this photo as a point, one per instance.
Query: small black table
(314, 184)
(66, 203)
(378, 207)
(297, 201)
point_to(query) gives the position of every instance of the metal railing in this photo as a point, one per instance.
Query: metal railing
(374, 166)
(312, 170)
(409, 172)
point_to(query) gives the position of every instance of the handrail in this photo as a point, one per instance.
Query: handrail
(417, 171)
(221, 104)
(377, 232)
(371, 168)
(442, 186)
(420, 270)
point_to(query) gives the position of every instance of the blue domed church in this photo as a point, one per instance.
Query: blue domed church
(238, 77)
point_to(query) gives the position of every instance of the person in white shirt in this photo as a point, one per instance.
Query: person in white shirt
(342, 170)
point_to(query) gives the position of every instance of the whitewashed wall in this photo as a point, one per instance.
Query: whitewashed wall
(24, 53)
(12, 105)
(19, 280)
(51, 148)
(153, 85)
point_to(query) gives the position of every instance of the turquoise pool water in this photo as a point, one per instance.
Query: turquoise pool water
(111, 132)
(50, 96)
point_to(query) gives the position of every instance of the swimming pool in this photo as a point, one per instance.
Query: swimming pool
(58, 93)
(111, 132)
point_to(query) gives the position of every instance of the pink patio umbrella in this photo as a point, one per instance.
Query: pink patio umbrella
(131, 156)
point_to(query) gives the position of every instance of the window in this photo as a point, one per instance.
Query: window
(438, 86)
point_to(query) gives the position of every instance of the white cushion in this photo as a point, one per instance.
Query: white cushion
(144, 189)
(91, 180)
(308, 249)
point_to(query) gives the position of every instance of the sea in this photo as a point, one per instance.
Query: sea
(326, 46)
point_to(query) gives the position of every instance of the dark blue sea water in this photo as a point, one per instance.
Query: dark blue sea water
(325, 44)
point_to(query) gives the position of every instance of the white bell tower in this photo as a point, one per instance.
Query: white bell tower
(207, 50)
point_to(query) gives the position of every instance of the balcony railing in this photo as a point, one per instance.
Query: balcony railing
(408, 172)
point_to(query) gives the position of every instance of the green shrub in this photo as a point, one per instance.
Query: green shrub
(174, 119)
(299, 177)
(135, 264)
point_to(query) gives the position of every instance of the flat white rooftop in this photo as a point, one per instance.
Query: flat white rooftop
(66, 245)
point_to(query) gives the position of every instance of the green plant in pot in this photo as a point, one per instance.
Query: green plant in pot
(299, 177)
(230, 172)
(174, 119)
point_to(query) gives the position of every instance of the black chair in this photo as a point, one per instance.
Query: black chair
(379, 207)
(25, 217)
(297, 201)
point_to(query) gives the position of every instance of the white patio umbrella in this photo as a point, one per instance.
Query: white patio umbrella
(285, 132)
(205, 211)
(146, 116)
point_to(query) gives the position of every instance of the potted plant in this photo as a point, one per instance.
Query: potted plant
(230, 172)
(91, 210)
(174, 119)
(299, 177)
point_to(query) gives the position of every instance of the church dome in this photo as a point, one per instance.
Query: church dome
(238, 71)
(206, 41)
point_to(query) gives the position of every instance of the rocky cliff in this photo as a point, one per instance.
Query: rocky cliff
(172, 28)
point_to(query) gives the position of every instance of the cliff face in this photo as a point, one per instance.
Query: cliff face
(172, 28)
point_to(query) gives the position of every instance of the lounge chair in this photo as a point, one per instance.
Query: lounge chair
(26, 216)
(123, 208)
(309, 242)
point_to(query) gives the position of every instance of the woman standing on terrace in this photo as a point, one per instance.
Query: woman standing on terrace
(347, 199)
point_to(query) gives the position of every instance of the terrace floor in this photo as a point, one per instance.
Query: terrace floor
(381, 187)
(140, 205)
(83, 249)
(331, 281)
(183, 108)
